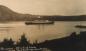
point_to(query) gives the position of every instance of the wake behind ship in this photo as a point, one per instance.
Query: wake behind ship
(39, 22)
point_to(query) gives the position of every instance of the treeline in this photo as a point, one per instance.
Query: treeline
(9, 43)
(65, 18)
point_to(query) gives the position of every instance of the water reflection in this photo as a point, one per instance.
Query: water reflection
(38, 32)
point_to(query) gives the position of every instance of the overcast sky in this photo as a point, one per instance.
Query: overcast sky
(47, 7)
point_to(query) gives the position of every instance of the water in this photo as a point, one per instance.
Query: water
(39, 32)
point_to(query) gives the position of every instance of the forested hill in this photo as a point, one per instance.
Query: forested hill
(7, 14)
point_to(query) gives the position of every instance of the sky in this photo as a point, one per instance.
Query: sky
(47, 7)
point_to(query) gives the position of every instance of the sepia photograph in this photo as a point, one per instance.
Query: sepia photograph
(42, 25)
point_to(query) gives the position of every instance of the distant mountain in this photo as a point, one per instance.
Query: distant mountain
(65, 18)
(7, 14)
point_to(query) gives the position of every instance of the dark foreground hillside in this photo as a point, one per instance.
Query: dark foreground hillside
(71, 43)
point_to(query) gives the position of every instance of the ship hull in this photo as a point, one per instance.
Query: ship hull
(34, 23)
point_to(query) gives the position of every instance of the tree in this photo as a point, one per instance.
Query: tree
(7, 43)
(23, 41)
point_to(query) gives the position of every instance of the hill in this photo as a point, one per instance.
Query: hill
(65, 18)
(71, 43)
(7, 14)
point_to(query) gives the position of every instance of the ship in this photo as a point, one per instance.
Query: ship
(80, 26)
(39, 22)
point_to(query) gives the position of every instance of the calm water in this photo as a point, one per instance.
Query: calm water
(38, 32)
